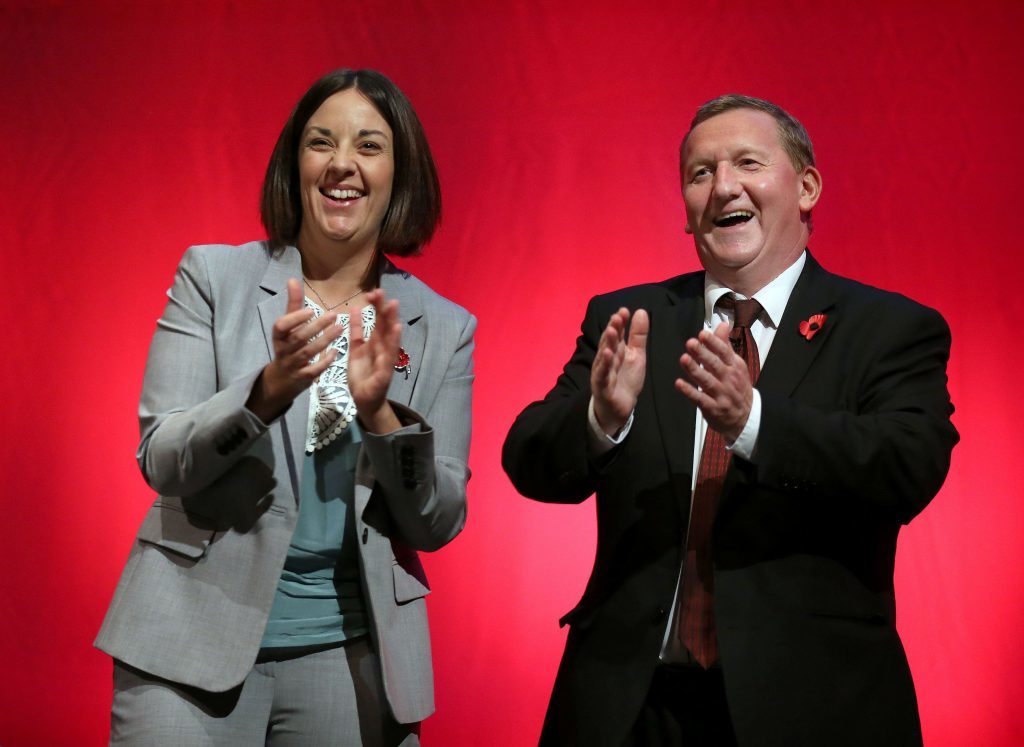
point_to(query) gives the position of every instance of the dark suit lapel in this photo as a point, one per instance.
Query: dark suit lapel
(792, 353)
(274, 285)
(398, 284)
(680, 318)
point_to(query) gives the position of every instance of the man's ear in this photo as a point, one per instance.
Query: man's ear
(810, 188)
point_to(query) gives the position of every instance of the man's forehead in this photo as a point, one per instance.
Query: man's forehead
(741, 128)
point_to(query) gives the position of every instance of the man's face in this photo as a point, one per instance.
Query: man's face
(746, 204)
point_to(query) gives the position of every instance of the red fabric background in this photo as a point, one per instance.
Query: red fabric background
(131, 130)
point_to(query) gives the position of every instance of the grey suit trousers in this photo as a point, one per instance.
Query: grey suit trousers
(330, 697)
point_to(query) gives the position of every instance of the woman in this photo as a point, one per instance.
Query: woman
(274, 591)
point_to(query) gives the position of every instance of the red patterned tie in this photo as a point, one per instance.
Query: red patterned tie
(697, 620)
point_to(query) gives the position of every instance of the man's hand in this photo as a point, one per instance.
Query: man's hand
(717, 381)
(617, 374)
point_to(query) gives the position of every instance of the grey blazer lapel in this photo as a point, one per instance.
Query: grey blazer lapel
(274, 284)
(397, 284)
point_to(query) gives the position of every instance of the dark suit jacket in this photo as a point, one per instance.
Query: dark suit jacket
(855, 440)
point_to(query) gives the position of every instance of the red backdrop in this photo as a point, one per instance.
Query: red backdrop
(131, 130)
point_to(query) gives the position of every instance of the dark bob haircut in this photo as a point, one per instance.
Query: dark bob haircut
(415, 208)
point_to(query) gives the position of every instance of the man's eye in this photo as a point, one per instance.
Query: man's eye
(749, 164)
(701, 174)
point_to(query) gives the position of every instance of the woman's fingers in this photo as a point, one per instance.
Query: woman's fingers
(312, 349)
(295, 295)
(325, 329)
(285, 325)
(311, 371)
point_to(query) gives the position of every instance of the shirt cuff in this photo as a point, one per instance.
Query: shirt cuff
(744, 445)
(599, 441)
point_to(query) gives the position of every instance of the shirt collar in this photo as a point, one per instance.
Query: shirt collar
(773, 297)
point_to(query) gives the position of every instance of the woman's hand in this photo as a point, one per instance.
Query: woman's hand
(371, 364)
(297, 340)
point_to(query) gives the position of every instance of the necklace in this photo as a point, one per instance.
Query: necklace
(323, 304)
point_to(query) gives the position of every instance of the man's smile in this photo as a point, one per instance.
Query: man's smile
(733, 218)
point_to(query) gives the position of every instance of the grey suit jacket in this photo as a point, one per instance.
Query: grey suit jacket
(192, 603)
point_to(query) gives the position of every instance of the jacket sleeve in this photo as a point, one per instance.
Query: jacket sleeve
(890, 444)
(192, 430)
(545, 452)
(421, 470)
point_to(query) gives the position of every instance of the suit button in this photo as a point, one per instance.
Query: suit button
(659, 615)
(366, 534)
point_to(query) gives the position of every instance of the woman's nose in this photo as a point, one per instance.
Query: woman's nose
(342, 160)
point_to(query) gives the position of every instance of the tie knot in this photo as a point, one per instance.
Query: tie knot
(745, 311)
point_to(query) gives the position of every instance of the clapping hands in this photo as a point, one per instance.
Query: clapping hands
(717, 381)
(617, 373)
(297, 340)
(371, 364)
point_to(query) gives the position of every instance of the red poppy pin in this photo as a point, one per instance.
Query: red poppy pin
(403, 364)
(809, 327)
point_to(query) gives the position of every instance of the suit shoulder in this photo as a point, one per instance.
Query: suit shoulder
(435, 306)
(256, 253)
(878, 300)
(248, 250)
(235, 260)
(895, 311)
(646, 293)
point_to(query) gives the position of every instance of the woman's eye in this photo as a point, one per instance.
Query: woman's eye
(370, 146)
(319, 144)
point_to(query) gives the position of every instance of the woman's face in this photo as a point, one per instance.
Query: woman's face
(346, 167)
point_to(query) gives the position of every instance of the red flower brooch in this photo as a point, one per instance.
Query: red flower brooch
(403, 364)
(809, 327)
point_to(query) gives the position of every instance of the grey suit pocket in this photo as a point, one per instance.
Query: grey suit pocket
(407, 585)
(169, 526)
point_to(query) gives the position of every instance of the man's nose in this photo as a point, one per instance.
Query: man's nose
(726, 185)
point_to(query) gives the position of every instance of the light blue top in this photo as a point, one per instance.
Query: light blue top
(319, 599)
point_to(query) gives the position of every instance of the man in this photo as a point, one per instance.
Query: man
(750, 602)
